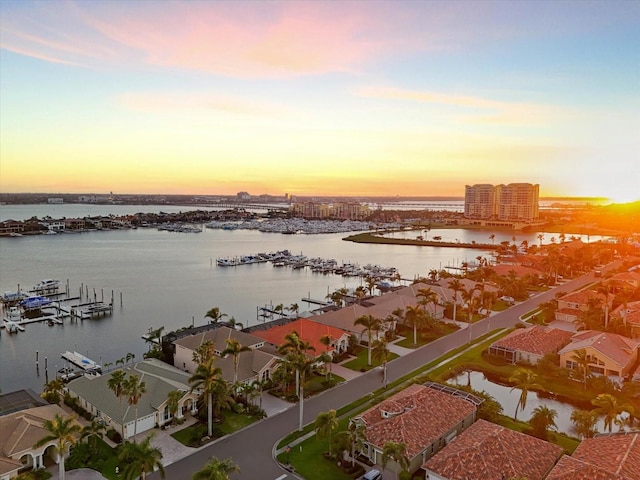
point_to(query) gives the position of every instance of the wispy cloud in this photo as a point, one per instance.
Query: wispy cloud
(183, 102)
(472, 109)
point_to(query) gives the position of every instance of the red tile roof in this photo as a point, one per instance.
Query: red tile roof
(308, 331)
(417, 416)
(538, 340)
(582, 297)
(605, 457)
(631, 314)
(486, 451)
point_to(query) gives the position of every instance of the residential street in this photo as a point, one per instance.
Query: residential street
(252, 447)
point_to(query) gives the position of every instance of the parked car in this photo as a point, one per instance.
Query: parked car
(372, 475)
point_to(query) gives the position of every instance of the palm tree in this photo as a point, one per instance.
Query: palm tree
(352, 439)
(204, 352)
(370, 323)
(607, 405)
(605, 289)
(216, 470)
(215, 315)
(414, 316)
(371, 283)
(294, 344)
(173, 403)
(154, 338)
(63, 431)
(542, 419)
(92, 432)
(325, 424)
(396, 452)
(492, 237)
(279, 309)
(140, 459)
(234, 324)
(235, 348)
(52, 391)
(456, 286)
(303, 366)
(582, 361)
(294, 308)
(584, 422)
(260, 384)
(524, 380)
(206, 377)
(428, 296)
(134, 390)
(381, 354)
(326, 341)
(540, 238)
(116, 384)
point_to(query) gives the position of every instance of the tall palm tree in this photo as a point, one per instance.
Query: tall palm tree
(173, 403)
(215, 315)
(139, 459)
(582, 361)
(205, 377)
(216, 470)
(584, 422)
(294, 344)
(455, 285)
(116, 384)
(326, 341)
(381, 354)
(606, 289)
(260, 384)
(134, 390)
(325, 424)
(204, 352)
(352, 438)
(371, 283)
(414, 316)
(428, 296)
(294, 308)
(542, 419)
(370, 323)
(607, 405)
(396, 452)
(64, 432)
(235, 348)
(234, 324)
(525, 380)
(492, 237)
(303, 366)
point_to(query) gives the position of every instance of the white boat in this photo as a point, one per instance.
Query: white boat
(48, 285)
(13, 314)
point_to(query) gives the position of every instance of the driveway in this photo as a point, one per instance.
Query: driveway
(252, 447)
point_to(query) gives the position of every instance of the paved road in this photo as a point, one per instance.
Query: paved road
(251, 448)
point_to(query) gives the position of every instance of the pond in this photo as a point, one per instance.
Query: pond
(509, 399)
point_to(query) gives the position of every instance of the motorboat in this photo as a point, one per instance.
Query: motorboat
(13, 327)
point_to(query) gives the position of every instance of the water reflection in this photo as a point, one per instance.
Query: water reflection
(509, 399)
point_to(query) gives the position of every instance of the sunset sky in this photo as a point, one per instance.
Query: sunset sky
(352, 98)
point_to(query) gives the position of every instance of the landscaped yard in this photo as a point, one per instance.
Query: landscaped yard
(232, 422)
(424, 337)
(359, 364)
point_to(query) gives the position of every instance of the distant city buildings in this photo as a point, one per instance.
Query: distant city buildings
(494, 204)
(338, 210)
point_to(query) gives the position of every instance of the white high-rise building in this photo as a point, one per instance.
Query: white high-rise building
(479, 201)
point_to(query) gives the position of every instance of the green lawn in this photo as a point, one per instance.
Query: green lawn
(359, 363)
(232, 422)
(308, 458)
(423, 337)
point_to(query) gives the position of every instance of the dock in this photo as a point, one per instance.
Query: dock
(82, 362)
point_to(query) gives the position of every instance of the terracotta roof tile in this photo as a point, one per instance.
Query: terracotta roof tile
(486, 451)
(538, 340)
(613, 346)
(308, 330)
(605, 457)
(417, 416)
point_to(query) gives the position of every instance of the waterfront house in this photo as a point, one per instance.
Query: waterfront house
(609, 354)
(486, 451)
(255, 364)
(628, 279)
(572, 305)
(19, 432)
(8, 227)
(423, 418)
(530, 344)
(308, 331)
(95, 396)
(614, 456)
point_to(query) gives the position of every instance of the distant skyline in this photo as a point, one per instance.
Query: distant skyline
(353, 98)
